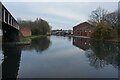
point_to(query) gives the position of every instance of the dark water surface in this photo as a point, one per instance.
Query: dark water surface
(61, 57)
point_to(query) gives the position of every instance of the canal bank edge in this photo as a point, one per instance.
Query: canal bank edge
(24, 40)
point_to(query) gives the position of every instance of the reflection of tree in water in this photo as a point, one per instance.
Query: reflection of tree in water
(40, 44)
(95, 61)
(119, 56)
(102, 54)
(98, 52)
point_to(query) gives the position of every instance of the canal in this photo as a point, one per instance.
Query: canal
(61, 57)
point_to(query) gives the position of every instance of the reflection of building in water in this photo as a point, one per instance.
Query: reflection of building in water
(10, 65)
(82, 43)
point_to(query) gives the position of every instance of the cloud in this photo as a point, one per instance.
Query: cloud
(56, 13)
(65, 14)
(56, 10)
(60, 0)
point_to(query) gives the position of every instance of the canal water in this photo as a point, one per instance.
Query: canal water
(61, 57)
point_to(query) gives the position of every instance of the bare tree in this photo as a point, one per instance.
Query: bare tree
(119, 17)
(98, 15)
(112, 18)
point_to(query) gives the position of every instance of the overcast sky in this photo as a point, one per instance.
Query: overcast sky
(60, 15)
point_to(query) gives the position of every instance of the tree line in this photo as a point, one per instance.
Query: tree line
(38, 26)
(105, 22)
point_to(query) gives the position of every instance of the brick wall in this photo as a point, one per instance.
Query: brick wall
(80, 30)
(25, 32)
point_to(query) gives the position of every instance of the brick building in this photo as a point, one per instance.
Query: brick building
(83, 29)
(25, 32)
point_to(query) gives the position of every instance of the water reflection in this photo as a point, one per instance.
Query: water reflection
(82, 43)
(65, 61)
(99, 53)
(11, 63)
(39, 44)
(102, 54)
(12, 55)
(69, 38)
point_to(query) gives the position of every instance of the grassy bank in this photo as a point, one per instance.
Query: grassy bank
(24, 40)
(109, 40)
(28, 39)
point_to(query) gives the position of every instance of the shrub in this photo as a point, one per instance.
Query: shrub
(104, 31)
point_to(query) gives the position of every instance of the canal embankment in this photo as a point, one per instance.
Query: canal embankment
(24, 40)
(115, 40)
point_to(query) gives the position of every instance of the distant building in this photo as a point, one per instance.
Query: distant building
(70, 32)
(83, 29)
(25, 32)
(62, 32)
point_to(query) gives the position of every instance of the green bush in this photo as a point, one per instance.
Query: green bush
(103, 31)
(38, 27)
